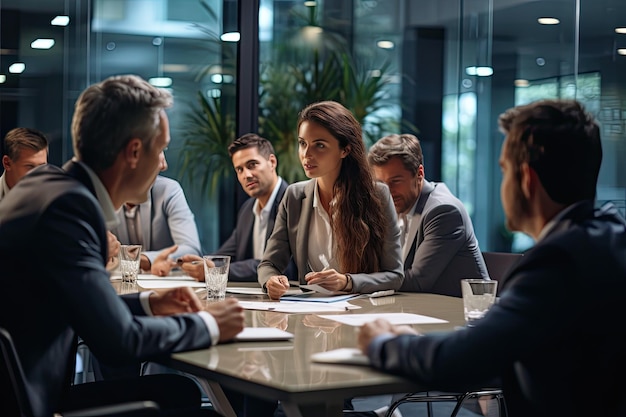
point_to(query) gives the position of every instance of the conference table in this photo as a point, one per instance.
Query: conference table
(284, 371)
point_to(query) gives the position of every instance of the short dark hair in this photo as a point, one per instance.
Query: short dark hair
(23, 138)
(251, 140)
(405, 146)
(561, 142)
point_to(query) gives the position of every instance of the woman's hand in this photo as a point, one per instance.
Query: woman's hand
(329, 279)
(276, 286)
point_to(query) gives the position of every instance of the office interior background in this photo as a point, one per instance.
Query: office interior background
(441, 69)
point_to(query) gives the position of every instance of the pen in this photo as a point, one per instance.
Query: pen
(180, 261)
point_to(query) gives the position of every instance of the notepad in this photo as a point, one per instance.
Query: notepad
(316, 297)
(349, 356)
(257, 334)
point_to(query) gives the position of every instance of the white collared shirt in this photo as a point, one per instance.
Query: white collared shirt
(321, 241)
(261, 219)
(404, 222)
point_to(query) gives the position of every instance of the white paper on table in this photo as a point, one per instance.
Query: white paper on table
(257, 290)
(394, 318)
(167, 282)
(297, 306)
(256, 334)
(351, 356)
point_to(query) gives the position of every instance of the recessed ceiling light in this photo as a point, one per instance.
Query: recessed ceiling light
(3, 78)
(42, 43)
(620, 30)
(521, 83)
(479, 71)
(548, 21)
(17, 68)
(60, 21)
(230, 37)
(385, 44)
(160, 81)
(621, 51)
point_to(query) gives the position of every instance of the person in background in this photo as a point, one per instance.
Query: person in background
(532, 339)
(438, 243)
(24, 149)
(163, 224)
(255, 163)
(339, 227)
(119, 131)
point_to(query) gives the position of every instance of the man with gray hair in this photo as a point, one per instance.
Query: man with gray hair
(438, 241)
(24, 149)
(119, 130)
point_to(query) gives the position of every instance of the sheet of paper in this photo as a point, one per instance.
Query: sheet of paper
(351, 356)
(394, 318)
(256, 334)
(314, 297)
(154, 282)
(297, 306)
(257, 290)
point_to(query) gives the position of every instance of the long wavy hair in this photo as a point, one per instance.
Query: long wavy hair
(357, 218)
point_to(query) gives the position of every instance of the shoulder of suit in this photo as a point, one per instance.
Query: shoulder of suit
(300, 189)
(162, 182)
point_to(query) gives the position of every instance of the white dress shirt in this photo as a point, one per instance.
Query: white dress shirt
(261, 219)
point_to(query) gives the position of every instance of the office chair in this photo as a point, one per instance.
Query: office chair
(498, 264)
(16, 402)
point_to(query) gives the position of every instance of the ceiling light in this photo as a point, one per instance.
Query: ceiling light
(620, 30)
(479, 71)
(17, 68)
(230, 37)
(217, 78)
(42, 43)
(548, 21)
(521, 83)
(310, 3)
(60, 21)
(385, 44)
(621, 51)
(3, 78)
(161, 82)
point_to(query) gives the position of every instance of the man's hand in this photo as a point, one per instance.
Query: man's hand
(193, 266)
(113, 251)
(162, 264)
(370, 331)
(174, 301)
(276, 286)
(229, 316)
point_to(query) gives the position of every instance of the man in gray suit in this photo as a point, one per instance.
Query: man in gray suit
(438, 242)
(163, 224)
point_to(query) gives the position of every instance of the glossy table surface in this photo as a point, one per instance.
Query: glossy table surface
(284, 371)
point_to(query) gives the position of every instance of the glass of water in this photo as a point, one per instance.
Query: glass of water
(216, 276)
(130, 258)
(478, 296)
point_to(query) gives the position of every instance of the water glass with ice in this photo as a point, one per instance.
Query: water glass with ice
(216, 276)
(478, 296)
(130, 258)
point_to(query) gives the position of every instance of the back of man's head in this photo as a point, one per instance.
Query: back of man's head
(406, 147)
(22, 138)
(251, 140)
(560, 141)
(110, 113)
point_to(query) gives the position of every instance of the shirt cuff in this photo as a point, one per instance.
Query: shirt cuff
(145, 302)
(211, 325)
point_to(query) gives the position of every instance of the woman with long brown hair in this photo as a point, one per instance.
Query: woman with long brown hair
(340, 226)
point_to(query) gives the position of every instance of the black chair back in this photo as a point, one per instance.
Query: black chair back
(15, 400)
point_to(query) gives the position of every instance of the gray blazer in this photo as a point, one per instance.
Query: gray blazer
(290, 239)
(444, 249)
(166, 219)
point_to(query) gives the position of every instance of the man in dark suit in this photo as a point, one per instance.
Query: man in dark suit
(533, 340)
(255, 163)
(53, 249)
(439, 246)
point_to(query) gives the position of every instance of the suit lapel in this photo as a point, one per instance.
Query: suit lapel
(414, 231)
(145, 217)
(306, 211)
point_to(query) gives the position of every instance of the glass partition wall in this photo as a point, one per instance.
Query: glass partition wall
(442, 69)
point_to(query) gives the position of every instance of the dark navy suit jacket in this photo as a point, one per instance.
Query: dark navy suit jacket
(53, 248)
